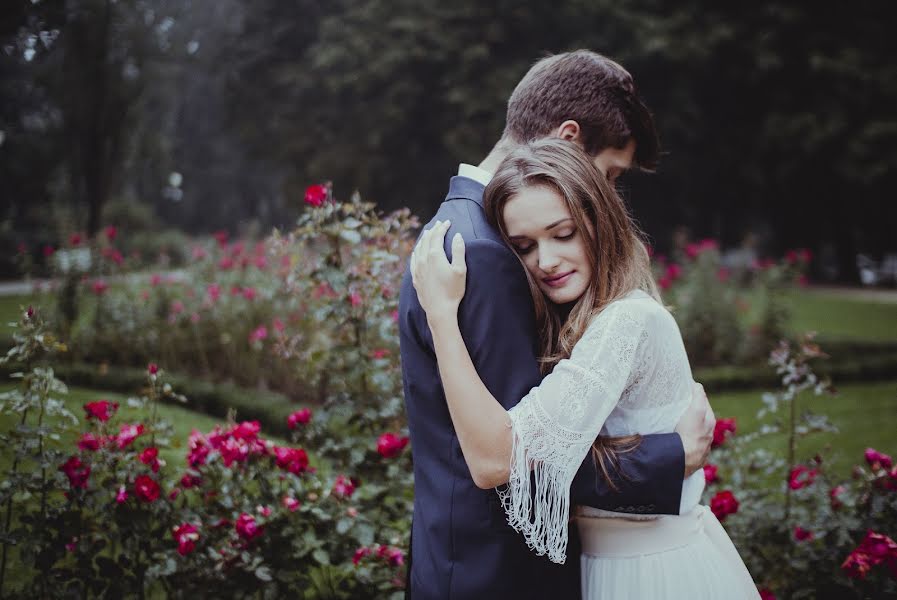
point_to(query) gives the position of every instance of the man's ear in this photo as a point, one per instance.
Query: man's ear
(569, 130)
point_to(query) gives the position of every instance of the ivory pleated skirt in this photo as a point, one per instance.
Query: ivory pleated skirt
(687, 557)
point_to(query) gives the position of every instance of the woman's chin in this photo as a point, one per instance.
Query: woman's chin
(564, 295)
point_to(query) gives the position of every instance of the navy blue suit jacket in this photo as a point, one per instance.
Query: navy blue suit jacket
(461, 544)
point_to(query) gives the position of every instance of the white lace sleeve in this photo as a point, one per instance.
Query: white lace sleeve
(555, 424)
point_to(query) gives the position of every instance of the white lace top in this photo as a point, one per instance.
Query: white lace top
(629, 373)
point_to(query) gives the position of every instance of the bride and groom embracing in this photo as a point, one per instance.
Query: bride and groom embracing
(558, 435)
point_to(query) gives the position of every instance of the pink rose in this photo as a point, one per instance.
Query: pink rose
(723, 504)
(128, 433)
(877, 460)
(247, 528)
(122, 494)
(389, 445)
(101, 410)
(291, 504)
(99, 287)
(186, 535)
(300, 417)
(801, 534)
(344, 487)
(293, 460)
(258, 334)
(710, 475)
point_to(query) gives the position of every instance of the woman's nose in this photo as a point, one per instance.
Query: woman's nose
(548, 261)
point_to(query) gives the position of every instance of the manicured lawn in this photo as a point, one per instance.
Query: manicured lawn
(866, 416)
(837, 316)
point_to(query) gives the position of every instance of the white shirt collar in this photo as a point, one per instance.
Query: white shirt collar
(475, 173)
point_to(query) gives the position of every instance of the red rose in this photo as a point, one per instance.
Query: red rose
(190, 480)
(673, 272)
(710, 475)
(150, 457)
(315, 195)
(355, 299)
(247, 528)
(722, 427)
(877, 460)
(258, 334)
(766, 594)
(344, 487)
(49, 251)
(801, 534)
(101, 410)
(111, 232)
(380, 353)
(122, 495)
(300, 417)
(90, 442)
(359, 554)
(146, 488)
(75, 239)
(875, 549)
(389, 445)
(153, 369)
(76, 471)
(186, 535)
(723, 504)
(801, 476)
(834, 496)
(291, 504)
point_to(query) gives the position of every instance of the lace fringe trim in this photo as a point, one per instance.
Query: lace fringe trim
(537, 457)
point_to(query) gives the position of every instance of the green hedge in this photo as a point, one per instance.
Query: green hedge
(269, 408)
(861, 366)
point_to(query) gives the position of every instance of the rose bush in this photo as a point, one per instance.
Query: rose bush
(240, 516)
(802, 533)
(728, 316)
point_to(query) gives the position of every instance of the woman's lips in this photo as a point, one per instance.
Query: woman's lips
(558, 280)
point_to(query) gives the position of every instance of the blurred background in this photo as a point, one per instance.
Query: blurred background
(777, 118)
(180, 238)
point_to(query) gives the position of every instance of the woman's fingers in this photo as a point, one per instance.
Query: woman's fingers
(458, 262)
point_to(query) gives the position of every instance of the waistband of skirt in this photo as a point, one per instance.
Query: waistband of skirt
(619, 538)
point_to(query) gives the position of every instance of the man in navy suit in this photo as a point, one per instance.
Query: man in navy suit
(461, 544)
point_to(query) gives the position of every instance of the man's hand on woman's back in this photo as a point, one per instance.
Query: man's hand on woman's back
(696, 430)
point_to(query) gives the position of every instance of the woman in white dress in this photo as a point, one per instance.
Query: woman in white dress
(615, 365)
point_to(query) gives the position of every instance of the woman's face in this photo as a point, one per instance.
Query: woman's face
(544, 234)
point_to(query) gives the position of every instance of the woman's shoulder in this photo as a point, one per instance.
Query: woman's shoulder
(636, 311)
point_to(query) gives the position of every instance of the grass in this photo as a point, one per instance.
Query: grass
(837, 316)
(865, 414)
(9, 312)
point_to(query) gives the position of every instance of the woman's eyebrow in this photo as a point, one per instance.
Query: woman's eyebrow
(547, 228)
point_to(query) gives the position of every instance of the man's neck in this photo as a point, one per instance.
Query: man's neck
(496, 155)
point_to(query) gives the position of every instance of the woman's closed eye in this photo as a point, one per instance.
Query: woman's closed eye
(525, 248)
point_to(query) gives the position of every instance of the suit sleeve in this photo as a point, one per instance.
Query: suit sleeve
(497, 324)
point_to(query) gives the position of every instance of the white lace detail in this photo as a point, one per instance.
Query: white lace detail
(631, 358)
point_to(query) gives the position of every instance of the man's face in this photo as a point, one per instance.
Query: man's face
(613, 162)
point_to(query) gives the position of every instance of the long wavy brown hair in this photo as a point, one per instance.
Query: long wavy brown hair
(618, 259)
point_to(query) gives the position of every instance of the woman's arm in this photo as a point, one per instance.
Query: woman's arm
(482, 424)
